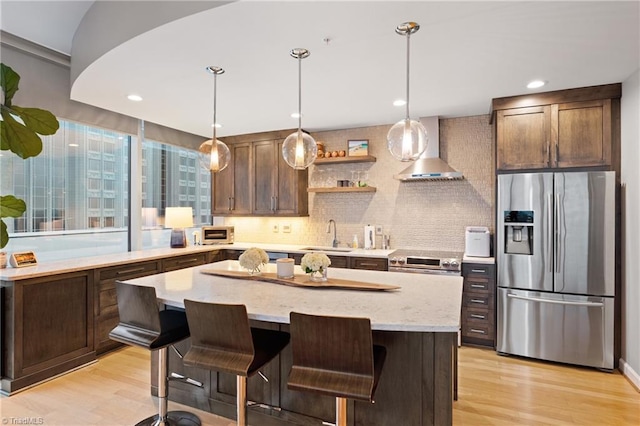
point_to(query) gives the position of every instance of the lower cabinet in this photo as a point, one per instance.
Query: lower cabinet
(47, 327)
(370, 263)
(478, 304)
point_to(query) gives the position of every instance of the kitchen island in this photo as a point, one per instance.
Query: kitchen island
(418, 324)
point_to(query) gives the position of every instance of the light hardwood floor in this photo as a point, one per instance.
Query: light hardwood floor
(493, 390)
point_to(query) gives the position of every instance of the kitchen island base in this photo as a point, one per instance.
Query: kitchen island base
(415, 389)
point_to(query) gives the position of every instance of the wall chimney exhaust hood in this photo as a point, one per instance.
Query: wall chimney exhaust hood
(429, 166)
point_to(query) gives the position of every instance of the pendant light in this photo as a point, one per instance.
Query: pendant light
(214, 157)
(299, 149)
(407, 139)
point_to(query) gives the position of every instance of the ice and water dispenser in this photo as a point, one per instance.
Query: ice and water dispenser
(518, 231)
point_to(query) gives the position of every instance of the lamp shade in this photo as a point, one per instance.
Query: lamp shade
(178, 217)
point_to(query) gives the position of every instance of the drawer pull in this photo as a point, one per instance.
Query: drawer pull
(368, 264)
(475, 330)
(130, 271)
(479, 271)
(478, 301)
(482, 286)
(195, 259)
(478, 316)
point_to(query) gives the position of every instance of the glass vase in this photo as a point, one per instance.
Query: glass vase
(254, 272)
(319, 276)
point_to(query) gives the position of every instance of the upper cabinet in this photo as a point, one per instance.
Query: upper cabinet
(232, 186)
(258, 181)
(563, 129)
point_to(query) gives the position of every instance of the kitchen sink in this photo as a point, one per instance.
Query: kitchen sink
(343, 250)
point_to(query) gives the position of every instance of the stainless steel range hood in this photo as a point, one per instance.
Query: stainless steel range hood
(429, 166)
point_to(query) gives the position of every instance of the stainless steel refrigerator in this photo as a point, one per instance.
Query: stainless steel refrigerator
(556, 266)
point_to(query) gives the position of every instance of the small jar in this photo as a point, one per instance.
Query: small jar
(285, 268)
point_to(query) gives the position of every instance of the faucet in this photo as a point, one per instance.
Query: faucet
(334, 243)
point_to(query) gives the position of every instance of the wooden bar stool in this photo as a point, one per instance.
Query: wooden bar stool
(142, 324)
(335, 356)
(222, 340)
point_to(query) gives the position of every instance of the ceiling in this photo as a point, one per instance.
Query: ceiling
(464, 54)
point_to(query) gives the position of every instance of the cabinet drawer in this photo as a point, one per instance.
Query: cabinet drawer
(481, 316)
(181, 262)
(133, 270)
(478, 270)
(108, 302)
(232, 254)
(369, 263)
(483, 331)
(477, 285)
(339, 261)
(477, 301)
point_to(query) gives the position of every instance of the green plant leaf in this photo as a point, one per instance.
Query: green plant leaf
(4, 235)
(38, 120)
(9, 80)
(10, 206)
(4, 141)
(22, 141)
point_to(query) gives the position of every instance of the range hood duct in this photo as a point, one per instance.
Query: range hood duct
(429, 166)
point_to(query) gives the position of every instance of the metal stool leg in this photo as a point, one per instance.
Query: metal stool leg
(165, 417)
(241, 400)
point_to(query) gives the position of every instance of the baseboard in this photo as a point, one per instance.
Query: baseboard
(630, 374)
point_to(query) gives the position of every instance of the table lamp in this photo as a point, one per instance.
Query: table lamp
(178, 218)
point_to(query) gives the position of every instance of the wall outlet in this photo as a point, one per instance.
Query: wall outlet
(276, 228)
(286, 228)
(378, 229)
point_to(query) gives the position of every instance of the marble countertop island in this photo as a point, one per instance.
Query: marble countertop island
(424, 303)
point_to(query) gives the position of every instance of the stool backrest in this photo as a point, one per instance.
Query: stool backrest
(221, 329)
(340, 345)
(138, 306)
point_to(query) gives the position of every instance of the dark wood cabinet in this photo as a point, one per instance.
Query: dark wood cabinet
(47, 327)
(259, 182)
(478, 304)
(564, 129)
(232, 186)
(370, 263)
(336, 261)
(181, 262)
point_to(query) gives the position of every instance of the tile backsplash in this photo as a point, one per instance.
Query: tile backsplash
(420, 214)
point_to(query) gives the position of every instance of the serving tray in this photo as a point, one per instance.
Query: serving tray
(301, 280)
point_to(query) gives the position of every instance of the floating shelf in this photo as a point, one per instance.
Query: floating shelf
(344, 189)
(335, 160)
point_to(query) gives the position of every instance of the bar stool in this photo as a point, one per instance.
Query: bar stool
(231, 346)
(335, 356)
(142, 324)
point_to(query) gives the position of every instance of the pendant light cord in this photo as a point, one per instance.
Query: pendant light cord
(215, 81)
(299, 92)
(408, 38)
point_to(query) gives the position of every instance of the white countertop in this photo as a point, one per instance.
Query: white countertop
(424, 303)
(84, 263)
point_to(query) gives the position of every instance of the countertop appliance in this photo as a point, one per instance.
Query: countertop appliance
(217, 234)
(477, 241)
(556, 266)
(425, 262)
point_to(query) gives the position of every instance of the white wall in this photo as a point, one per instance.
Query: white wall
(630, 178)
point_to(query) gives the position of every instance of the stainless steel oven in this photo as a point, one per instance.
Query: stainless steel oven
(425, 262)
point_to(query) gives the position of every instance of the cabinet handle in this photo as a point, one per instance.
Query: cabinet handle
(548, 153)
(130, 271)
(478, 301)
(233, 203)
(479, 271)
(368, 264)
(475, 330)
(482, 286)
(557, 153)
(194, 259)
(229, 203)
(478, 316)
(275, 203)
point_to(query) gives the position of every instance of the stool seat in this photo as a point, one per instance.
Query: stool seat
(173, 328)
(223, 340)
(335, 356)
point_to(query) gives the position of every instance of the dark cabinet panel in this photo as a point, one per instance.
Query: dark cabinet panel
(478, 304)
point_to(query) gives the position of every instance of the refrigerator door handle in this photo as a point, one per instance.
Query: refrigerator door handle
(557, 302)
(556, 226)
(550, 230)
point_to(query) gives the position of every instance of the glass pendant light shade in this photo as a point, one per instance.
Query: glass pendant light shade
(214, 157)
(407, 139)
(299, 149)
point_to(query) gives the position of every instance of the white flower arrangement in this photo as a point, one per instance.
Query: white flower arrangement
(314, 262)
(252, 259)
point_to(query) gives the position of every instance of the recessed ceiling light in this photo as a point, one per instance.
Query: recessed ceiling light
(135, 98)
(399, 102)
(535, 84)
(73, 144)
(295, 115)
(218, 125)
